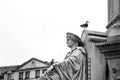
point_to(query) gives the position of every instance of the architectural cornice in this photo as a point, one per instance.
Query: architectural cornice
(94, 33)
(93, 36)
(33, 68)
(97, 39)
(111, 48)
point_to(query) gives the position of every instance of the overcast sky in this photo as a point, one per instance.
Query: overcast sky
(37, 28)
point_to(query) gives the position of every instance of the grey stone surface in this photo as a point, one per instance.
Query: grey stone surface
(98, 61)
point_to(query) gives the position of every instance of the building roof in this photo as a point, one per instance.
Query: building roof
(45, 62)
(4, 69)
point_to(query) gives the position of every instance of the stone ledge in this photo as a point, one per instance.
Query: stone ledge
(109, 48)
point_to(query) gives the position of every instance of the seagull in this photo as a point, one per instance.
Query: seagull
(85, 25)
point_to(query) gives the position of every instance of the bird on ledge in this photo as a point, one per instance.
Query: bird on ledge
(85, 25)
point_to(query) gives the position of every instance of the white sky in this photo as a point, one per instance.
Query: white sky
(37, 28)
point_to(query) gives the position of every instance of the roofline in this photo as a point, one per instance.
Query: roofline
(33, 68)
(4, 67)
(45, 62)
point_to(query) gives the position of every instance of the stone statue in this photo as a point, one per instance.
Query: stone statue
(74, 65)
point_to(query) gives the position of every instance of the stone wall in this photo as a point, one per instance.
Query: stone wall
(98, 61)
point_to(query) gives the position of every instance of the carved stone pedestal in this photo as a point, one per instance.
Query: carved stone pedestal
(111, 49)
(112, 52)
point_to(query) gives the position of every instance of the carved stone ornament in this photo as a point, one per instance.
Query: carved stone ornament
(116, 70)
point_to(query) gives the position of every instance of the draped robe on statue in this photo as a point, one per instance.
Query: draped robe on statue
(72, 68)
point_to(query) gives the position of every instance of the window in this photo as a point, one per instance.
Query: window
(44, 70)
(37, 73)
(27, 74)
(20, 75)
(9, 76)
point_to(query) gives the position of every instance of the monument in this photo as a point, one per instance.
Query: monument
(104, 48)
(111, 48)
(96, 61)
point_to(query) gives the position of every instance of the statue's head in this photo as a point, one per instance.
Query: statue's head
(74, 39)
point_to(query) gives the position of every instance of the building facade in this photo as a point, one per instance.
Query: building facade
(29, 70)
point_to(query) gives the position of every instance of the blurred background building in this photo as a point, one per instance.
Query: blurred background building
(29, 70)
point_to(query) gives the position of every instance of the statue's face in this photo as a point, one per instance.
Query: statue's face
(70, 42)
